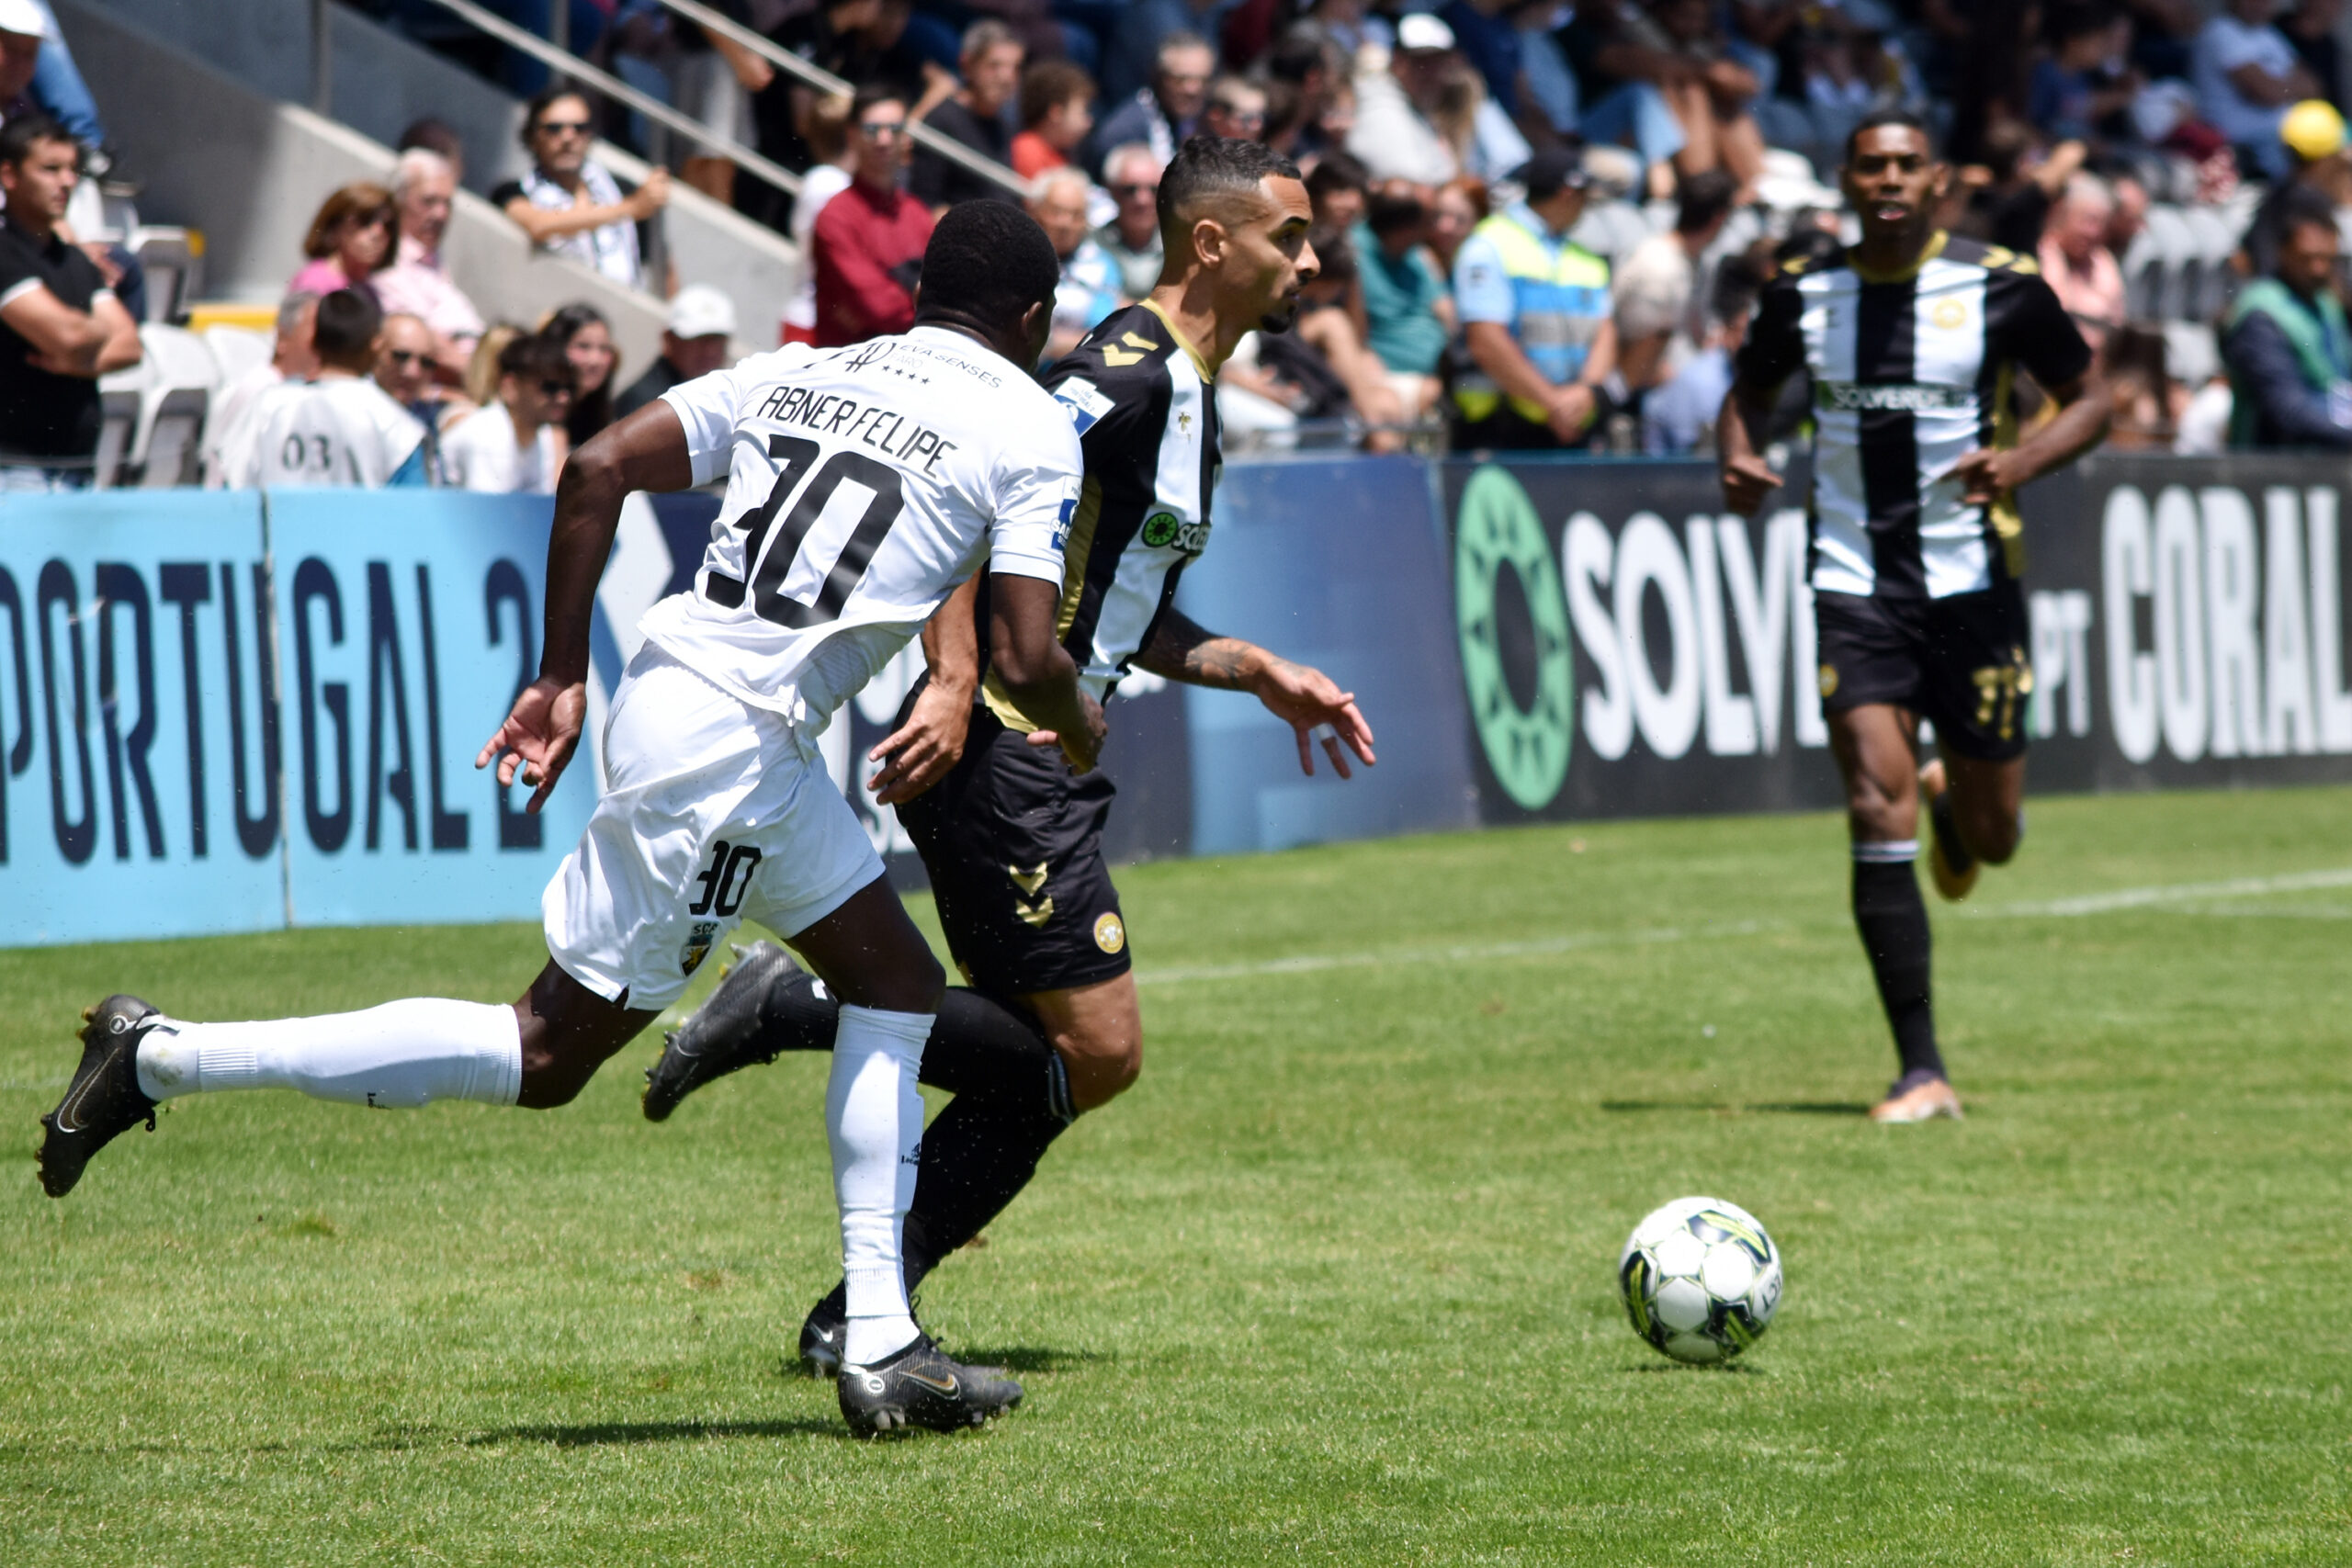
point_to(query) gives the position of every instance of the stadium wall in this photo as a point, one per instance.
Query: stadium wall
(244, 711)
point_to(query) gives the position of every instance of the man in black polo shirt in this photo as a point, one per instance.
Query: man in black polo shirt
(990, 65)
(61, 326)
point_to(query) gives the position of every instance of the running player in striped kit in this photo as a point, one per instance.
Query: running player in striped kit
(1914, 339)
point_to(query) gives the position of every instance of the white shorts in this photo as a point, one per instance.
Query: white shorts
(714, 812)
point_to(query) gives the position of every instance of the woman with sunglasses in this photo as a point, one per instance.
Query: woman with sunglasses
(352, 238)
(587, 340)
(570, 203)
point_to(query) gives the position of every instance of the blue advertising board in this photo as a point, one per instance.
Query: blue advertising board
(227, 711)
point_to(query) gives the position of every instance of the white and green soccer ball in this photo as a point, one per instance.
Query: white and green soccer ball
(1701, 1280)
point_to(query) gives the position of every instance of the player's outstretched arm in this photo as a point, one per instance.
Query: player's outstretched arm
(2085, 406)
(1300, 695)
(645, 451)
(919, 753)
(1038, 671)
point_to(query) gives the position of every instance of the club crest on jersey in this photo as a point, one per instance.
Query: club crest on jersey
(1163, 529)
(697, 946)
(1085, 401)
(1109, 934)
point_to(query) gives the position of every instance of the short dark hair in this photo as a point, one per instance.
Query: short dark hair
(874, 92)
(1392, 212)
(1879, 118)
(1047, 86)
(1337, 171)
(546, 98)
(2301, 207)
(344, 333)
(433, 136)
(1335, 254)
(1735, 290)
(538, 356)
(19, 137)
(1703, 198)
(987, 264)
(1210, 166)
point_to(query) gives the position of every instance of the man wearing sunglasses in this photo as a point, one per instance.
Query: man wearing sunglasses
(867, 249)
(570, 203)
(515, 445)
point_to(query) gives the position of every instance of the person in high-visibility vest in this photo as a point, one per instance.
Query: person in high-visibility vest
(1534, 309)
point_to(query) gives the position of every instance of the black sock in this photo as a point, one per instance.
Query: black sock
(977, 1046)
(1892, 919)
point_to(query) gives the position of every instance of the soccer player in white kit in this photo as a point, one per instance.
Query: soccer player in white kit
(864, 485)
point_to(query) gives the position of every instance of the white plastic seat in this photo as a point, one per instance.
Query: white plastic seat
(176, 380)
(237, 350)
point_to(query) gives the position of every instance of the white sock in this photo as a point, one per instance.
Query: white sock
(399, 1057)
(874, 1117)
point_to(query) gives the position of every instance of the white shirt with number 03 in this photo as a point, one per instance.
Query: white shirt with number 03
(864, 485)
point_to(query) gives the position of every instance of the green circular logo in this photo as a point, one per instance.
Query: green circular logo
(1509, 613)
(1159, 530)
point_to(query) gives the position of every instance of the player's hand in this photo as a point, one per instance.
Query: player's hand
(1984, 476)
(1572, 411)
(1312, 704)
(1746, 481)
(537, 742)
(1083, 752)
(920, 751)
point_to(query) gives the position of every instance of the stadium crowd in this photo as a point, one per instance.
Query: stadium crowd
(1461, 159)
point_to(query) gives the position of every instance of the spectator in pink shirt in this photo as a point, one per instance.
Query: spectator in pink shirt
(2074, 258)
(350, 241)
(418, 284)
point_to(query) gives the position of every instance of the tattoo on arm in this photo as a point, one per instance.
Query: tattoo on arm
(1181, 650)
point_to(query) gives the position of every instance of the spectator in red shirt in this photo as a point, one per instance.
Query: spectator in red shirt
(868, 243)
(1057, 112)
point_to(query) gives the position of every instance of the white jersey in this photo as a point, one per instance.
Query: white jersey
(864, 485)
(480, 454)
(344, 430)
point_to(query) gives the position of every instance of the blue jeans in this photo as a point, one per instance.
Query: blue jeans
(1638, 110)
(58, 88)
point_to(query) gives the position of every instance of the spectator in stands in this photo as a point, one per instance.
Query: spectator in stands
(514, 445)
(1337, 187)
(1162, 115)
(404, 367)
(1622, 83)
(481, 371)
(866, 248)
(2010, 194)
(2148, 402)
(1456, 208)
(1407, 312)
(696, 342)
(568, 203)
(1088, 289)
(232, 422)
(975, 115)
(1535, 307)
(1395, 136)
(1235, 109)
(2084, 87)
(2312, 135)
(2246, 74)
(350, 241)
(2081, 270)
(60, 327)
(23, 27)
(55, 86)
(587, 340)
(1680, 417)
(2289, 354)
(831, 142)
(1132, 237)
(1353, 24)
(2310, 27)
(1306, 60)
(1656, 285)
(435, 136)
(1057, 112)
(417, 284)
(339, 428)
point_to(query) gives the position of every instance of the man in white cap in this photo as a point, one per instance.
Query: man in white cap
(22, 27)
(1393, 133)
(702, 323)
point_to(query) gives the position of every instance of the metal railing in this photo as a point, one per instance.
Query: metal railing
(565, 63)
(824, 80)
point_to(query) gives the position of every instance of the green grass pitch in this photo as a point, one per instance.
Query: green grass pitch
(1333, 1283)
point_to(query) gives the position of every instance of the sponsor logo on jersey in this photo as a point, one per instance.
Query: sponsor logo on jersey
(1163, 529)
(1109, 934)
(1069, 513)
(697, 946)
(1897, 397)
(1085, 401)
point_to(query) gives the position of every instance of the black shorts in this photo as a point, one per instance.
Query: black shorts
(1960, 662)
(1013, 842)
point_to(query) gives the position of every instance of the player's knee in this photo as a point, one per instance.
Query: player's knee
(1991, 837)
(1100, 1070)
(547, 1083)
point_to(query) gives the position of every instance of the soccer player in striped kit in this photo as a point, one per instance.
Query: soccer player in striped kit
(1914, 339)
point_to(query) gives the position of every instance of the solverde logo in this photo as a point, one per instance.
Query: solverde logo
(1509, 609)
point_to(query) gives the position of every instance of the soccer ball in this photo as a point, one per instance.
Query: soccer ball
(1700, 1279)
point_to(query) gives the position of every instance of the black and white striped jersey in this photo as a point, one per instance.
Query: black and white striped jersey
(1144, 408)
(1910, 373)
